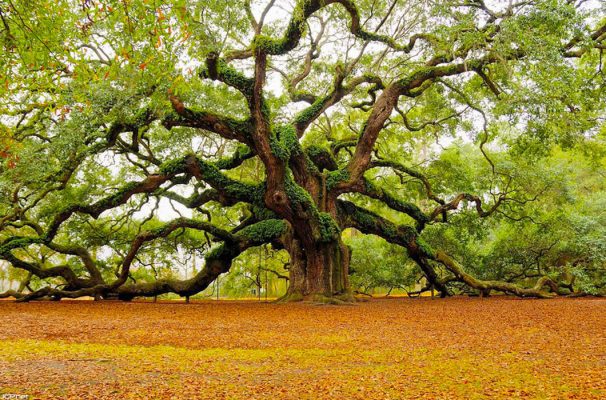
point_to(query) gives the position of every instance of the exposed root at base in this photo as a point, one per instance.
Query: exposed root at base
(319, 299)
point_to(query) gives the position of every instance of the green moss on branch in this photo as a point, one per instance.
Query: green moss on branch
(241, 154)
(336, 177)
(218, 69)
(329, 230)
(284, 142)
(18, 243)
(263, 231)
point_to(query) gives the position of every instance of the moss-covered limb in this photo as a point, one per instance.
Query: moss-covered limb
(305, 215)
(320, 104)
(373, 191)
(114, 131)
(225, 190)
(304, 169)
(80, 252)
(301, 202)
(379, 114)
(321, 157)
(261, 232)
(196, 200)
(85, 257)
(420, 252)
(377, 85)
(442, 283)
(163, 231)
(446, 53)
(336, 178)
(371, 223)
(444, 206)
(48, 292)
(329, 230)
(252, 89)
(147, 185)
(284, 142)
(425, 252)
(226, 127)
(76, 286)
(242, 153)
(217, 261)
(454, 204)
(366, 221)
(435, 122)
(410, 172)
(306, 97)
(418, 175)
(293, 82)
(23, 297)
(454, 267)
(285, 145)
(231, 188)
(296, 26)
(339, 145)
(352, 215)
(60, 271)
(16, 242)
(413, 85)
(151, 183)
(218, 69)
(304, 118)
(305, 8)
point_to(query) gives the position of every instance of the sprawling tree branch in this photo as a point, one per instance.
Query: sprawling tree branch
(371, 223)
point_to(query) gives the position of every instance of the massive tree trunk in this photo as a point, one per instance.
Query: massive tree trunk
(319, 272)
(319, 260)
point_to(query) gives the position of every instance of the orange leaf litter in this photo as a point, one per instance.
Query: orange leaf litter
(459, 348)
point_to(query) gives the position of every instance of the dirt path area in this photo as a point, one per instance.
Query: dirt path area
(456, 348)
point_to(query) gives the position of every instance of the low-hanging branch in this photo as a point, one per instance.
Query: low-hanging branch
(218, 261)
(423, 254)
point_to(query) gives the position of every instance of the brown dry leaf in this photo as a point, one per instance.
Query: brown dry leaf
(458, 348)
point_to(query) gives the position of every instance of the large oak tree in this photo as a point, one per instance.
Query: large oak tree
(108, 107)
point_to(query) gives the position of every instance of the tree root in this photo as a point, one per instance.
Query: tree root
(346, 298)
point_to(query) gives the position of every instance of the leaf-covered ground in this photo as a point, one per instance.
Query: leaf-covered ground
(457, 348)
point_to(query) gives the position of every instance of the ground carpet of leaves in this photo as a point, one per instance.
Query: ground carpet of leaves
(459, 348)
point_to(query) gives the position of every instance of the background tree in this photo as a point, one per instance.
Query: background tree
(282, 123)
(385, 268)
